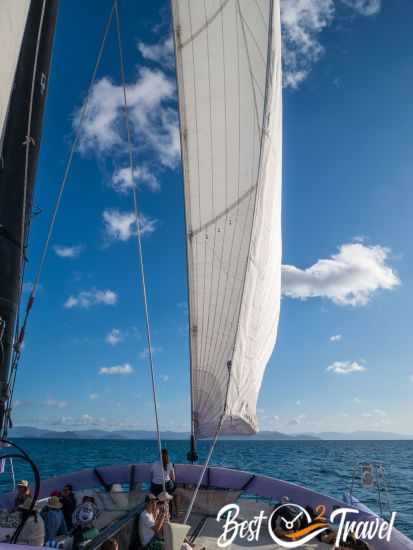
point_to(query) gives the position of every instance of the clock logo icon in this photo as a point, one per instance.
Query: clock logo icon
(291, 526)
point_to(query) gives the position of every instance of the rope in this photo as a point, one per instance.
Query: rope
(211, 449)
(30, 302)
(139, 242)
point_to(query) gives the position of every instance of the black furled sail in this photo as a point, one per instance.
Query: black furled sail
(27, 27)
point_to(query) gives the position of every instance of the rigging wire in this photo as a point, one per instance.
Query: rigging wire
(139, 241)
(30, 302)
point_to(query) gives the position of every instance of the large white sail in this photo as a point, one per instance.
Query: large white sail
(13, 16)
(228, 56)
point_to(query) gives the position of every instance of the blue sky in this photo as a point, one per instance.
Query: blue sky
(344, 356)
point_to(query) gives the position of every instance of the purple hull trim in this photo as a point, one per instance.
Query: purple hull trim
(223, 478)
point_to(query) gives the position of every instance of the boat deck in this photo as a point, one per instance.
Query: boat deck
(208, 529)
(119, 511)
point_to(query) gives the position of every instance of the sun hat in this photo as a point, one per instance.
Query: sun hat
(23, 483)
(54, 502)
(150, 498)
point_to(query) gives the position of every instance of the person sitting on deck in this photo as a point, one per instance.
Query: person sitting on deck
(54, 520)
(151, 522)
(83, 520)
(158, 476)
(33, 532)
(22, 492)
(68, 501)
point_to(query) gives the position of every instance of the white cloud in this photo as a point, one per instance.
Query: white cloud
(22, 403)
(68, 251)
(114, 337)
(345, 367)
(378, 418)
(411, 378)
(298, 403)
(101, 422)
(55, 403)
(121, 226)
(357, 400)
(364, 7)
(151, 101)
(123, 182)
(335, 338)
(302, 23)
(117, 369)
(162, 52)
(297, 420)
(350, 277)
(375, 413)
(89, 298)
(93, 396)
(164, 377)
(83, 420)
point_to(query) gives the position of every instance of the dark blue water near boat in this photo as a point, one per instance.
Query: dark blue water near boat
(324, 466)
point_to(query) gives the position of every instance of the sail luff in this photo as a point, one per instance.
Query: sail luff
(13, 186)
(13, 17)
(187, 212)
(229, 84)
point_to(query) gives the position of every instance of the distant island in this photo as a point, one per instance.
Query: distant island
(39, 433)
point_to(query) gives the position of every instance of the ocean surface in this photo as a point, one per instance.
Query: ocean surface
(324, 466)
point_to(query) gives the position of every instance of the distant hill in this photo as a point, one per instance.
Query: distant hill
(31, 432)
(276, 436)
(363, 435)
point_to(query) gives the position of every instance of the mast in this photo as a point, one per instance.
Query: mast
(16, 191)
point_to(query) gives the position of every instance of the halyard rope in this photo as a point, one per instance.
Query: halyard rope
(139, 243)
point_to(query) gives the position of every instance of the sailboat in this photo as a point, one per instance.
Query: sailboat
(229, 80)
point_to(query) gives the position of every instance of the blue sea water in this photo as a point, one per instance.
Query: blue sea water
(324, 466)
